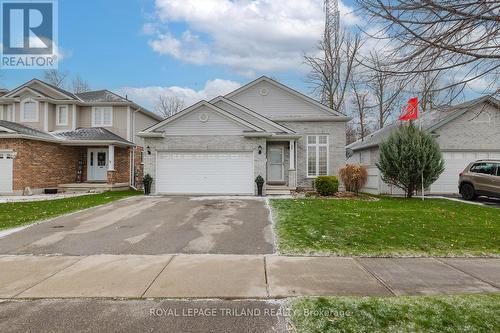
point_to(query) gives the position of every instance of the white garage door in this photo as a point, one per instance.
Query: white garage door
(205, 173)
(456, 162)
(6, 163)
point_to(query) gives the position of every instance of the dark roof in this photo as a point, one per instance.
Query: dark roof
(24, 130)
(100, 96)
(80, 134)
(431, 121)
(61, 90)
(90, 134)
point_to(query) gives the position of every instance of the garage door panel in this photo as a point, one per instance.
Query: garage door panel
(455, 163)
(6, 168)
(205, 173)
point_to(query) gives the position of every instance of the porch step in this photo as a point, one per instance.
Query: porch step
(277, 190)
(92, 187)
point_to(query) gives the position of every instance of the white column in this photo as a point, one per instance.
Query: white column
(73, 108)
(128, 124)
(46, 117)
(292, 154)
(111, 153)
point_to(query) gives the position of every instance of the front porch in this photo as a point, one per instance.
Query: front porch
(103, 168)
(281, 166)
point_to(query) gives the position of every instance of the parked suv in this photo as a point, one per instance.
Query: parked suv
(480, 178)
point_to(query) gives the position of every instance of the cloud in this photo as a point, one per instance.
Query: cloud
(148, 96)
(247, 36)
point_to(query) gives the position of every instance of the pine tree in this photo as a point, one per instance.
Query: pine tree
(405, 155)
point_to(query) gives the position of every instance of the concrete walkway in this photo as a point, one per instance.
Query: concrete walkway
(240, 276)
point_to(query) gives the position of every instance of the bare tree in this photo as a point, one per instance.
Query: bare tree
(351, 133)
(167, 106)
(332, 68)
(440, 35)
(55, 77)
(386, 89)
(79, 85)
(361, 110)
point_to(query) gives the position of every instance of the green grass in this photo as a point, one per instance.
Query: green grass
(16, 214)
(453, 314)
(389, 227)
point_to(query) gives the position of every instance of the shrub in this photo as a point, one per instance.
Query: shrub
(408, 156)
(354, 177)
(326, 185)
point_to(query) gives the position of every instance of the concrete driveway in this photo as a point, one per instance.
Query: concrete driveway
(152, 225)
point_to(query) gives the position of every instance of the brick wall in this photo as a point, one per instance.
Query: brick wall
(122, 167)
(41, 164)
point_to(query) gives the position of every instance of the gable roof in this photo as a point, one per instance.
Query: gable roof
(253, 114)
(210, 106)
(432, 121)
(48, 85)
(289, 90)
(100, 96)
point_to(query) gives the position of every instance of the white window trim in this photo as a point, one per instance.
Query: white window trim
(58, 109)
(37, 109)
(93, 116)
(9, 112)
(317, 145)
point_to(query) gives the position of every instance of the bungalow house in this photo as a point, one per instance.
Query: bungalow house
(465, 132)
(261, 129)
(52, 138)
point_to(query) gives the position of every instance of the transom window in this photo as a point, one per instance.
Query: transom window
(317, 155)
(62, 115)
(29, 111)
(102, 116)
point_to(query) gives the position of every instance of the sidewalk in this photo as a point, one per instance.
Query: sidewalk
(236, 276)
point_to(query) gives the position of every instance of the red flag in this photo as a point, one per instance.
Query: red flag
(410, 111)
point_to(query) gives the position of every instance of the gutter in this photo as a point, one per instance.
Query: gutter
(313, 119)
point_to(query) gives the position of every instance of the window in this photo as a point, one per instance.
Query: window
(62, 115)
(10, 113)
(317, 155)
(484, 168)
(498, 170)
(29, 111)
(102, 116)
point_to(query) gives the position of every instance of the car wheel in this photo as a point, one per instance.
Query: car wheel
(468, 192)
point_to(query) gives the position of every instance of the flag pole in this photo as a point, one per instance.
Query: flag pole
(423, 189)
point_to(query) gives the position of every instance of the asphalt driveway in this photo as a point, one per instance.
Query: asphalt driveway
(152, 225)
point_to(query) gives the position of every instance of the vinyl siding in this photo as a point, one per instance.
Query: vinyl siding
(140, 122)
(277, 103)
(190, 124)
(246, 116)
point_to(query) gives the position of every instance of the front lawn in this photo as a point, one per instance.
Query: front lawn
(389, 227)
(14, 214)
(473, 313)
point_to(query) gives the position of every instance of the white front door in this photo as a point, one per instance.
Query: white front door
(202, 172)
(275, 168)
(97, 162)
(6, 167)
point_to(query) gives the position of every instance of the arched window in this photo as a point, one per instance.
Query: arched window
(29, 111)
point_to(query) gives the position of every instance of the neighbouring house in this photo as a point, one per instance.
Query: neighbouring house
(263, 128)
(465, 132)
(52, 138)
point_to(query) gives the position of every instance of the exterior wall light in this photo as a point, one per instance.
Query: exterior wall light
(148, 149)
(260, 150)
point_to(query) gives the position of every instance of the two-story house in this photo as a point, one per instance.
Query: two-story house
(52, 138)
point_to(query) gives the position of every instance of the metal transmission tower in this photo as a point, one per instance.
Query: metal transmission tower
(332, 47)
(332, 20)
